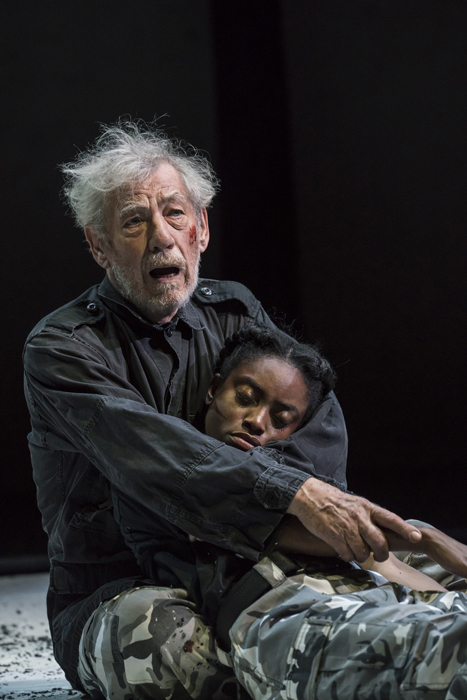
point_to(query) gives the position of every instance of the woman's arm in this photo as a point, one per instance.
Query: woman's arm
(399, 572)
(294, 538)
(444, 550)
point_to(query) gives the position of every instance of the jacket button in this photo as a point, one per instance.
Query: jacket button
(206, 291)
(92, 308)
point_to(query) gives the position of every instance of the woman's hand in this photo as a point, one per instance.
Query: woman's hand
(444, 550)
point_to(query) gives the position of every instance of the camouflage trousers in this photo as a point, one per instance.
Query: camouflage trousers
(149, 642)
(324, 636)
(344, 637)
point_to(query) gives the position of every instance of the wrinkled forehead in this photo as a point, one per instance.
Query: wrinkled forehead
(164, 184)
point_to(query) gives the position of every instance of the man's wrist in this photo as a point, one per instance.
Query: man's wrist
(302, 496)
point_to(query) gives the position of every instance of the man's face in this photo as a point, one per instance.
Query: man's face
(262, 399)
(153, 244)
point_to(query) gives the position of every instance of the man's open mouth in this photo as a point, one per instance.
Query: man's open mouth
(162, 272)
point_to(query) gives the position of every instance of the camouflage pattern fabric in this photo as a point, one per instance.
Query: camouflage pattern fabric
(343, 637)
(149, 642)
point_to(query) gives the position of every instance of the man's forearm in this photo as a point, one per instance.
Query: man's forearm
(232, 498)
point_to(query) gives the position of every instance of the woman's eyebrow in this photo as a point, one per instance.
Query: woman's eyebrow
(251, 382)
(285, 406)
(245, 379)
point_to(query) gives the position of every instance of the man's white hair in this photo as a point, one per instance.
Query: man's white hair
(125, 154)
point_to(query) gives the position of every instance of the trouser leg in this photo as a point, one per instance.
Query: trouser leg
(298, 643)
(150, 642)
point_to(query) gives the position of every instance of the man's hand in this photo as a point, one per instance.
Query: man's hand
(350, 524)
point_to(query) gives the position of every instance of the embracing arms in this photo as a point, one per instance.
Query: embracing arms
(349, 525)
(442, 549)
(80, 405)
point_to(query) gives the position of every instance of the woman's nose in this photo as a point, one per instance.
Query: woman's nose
(255, 421)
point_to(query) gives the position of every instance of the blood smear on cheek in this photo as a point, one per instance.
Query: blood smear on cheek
(193, 235)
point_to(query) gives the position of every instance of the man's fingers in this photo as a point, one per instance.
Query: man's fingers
(375, 540)
(350, 544)
(357, 544)
(360, 552)
(343, 550)
(350, 524)
(384, 518)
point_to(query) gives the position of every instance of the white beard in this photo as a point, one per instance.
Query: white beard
(168, 300)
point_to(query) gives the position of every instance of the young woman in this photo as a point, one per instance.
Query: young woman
(265, 386)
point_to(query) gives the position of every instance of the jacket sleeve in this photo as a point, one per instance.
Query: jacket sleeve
(320, 446)
(210, 490)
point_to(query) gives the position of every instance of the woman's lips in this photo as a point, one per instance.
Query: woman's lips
(244, 441)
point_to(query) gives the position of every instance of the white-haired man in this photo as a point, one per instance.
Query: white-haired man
(112, 381)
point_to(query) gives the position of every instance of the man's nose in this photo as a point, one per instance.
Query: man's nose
(160, 234)
(255, 421)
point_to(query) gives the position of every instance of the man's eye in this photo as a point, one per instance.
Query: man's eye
(175, 212)
(133, 221)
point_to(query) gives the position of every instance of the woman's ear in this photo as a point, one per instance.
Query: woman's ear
(213, 387)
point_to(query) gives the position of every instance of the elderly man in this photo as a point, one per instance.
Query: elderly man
(112, 381)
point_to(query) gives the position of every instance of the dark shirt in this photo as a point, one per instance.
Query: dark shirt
(111, 398)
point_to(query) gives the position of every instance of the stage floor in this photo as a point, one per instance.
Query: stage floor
(27, 667)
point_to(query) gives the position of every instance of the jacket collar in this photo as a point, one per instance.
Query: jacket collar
(124, 308)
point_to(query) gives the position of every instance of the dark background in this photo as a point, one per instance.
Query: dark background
(338, 130)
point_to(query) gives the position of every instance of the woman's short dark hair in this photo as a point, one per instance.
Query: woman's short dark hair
(264, 341)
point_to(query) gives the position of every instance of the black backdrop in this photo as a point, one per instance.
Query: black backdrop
(338, 131)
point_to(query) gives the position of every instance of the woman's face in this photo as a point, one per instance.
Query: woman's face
(261, 400)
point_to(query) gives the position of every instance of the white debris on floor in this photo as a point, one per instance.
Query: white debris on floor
(27, 667)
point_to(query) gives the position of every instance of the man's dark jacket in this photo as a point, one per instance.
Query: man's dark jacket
(111, 398)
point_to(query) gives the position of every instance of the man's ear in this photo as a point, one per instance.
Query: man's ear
(213, 387)
(203, 231)
(99, 248)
